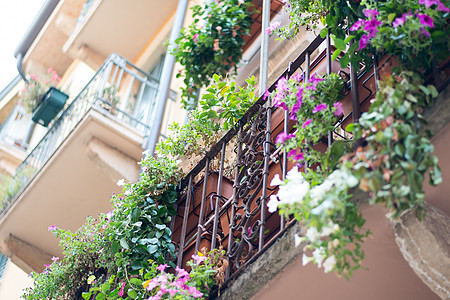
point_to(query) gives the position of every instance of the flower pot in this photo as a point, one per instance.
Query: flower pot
(50, 105)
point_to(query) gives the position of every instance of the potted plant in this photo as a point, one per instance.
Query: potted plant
(212, 44)
(42, 98)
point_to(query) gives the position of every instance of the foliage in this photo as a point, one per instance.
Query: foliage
(35, 88)
(10, 186)
(393, 164)
(314, 105)
(212, 44)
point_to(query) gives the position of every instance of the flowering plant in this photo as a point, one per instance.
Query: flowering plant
(212, 44)
(314, 105)
(36, 88)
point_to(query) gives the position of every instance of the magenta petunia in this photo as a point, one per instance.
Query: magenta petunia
(283, 137)
(425, 20)
(442, 7)
(319, 108)
(307, 122)
(428, 3)
(161, 268)
(273, 27)
(363, 41)
(339, 109)
(294, 156)
(371, 13)
(358, 24)
(277, 101)
(424, 32)
(297, 77)
(266, 94)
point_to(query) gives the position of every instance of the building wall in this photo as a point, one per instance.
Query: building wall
(13, 282)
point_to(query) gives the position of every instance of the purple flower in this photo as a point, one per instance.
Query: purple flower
(161, 268)
(273, 27)
(278, 103)
(358, 24)
(55, 258)
(294, 156)
(339, 109)
(425, 20)
(442, 7)
(371, 13)
(319, 108)
(181, 272)
(315, 80)
(283, 137)
(306, 123)
(249, 231)
(282, 85)
(424, 32)
(372, 26)
(266, 94)
(297, 77)
(47, 266)
(363, 41)
(51, 228)
(428, 3)
(398, 22)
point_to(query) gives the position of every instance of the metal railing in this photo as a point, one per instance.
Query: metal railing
(215, 211)
(118, 88)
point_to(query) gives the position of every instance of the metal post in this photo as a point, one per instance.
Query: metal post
(219, 193)
(166, 76)
(264, 58)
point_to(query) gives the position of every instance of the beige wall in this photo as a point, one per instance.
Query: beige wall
(13, 282)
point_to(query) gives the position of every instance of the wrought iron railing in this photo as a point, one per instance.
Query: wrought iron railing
(119, 89)
(215, 211)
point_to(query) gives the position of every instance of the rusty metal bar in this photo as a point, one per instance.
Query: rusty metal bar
(185, 220)
(266, 150)
(202, 206)
(219, 193)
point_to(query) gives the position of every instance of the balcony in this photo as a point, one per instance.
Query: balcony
(94, 142)
(103, 23)
(215, 211)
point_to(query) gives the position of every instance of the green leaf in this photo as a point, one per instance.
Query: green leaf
(323, 32)
(216, 78)
(136, 281)
(115, 247)
(86, 295)
(350, 127)
(124, 244)
(349, 38)
(339, 43)
(336, 54)
(100, 296)
(132, 294)
(152, 249)
(106, 287)
(391, 17)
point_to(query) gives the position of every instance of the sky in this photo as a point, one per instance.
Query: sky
(15, 18)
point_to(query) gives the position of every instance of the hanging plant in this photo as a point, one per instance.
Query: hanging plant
(212, 44)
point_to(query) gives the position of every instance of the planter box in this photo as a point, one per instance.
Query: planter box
(50, 105)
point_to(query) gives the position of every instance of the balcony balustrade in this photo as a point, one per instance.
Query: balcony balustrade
(215, 211)
(118, 89)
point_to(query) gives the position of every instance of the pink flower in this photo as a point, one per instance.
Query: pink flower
(161, 268)
(277, 101)
(399, 22)
(372, 27)
(282, 85)
(51, 228)
(442, 7)
(339, 109)
(427, 3)
(195, 39)
(152, 284)
(297, 77)
(47, 266)
(49, 70)
(181, 272)
(198, 258)
(294, 156)
(219, 28)
(55, 258)
(358, 24)
(283, 137)
(273, 27)
(371, 13)
(319, 108)
(424, 32)
(194, 292)
(266, 94)
(306, 123)
(121, 290)
(363, 41)
(425, 20)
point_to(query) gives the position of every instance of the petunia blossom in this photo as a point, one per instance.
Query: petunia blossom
(428, 3)
(283, 137)
(358, 24)
(339, 109)
(371, 13)
(424, 32)
(425, 20)
(51, 228)
(272, 204)
(363, 41)
(442, 7)
(199, 258)
(307, 122)
(273, 27)
(161, 267)
(319, 108)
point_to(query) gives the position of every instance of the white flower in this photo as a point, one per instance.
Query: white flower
(298, 240)
(272, 205)
(312, 234)
(329, 263)
(120, 182)
(327, 230)
(319, 255)
(146, 153)
(325, 205)
(306, 259)
(276, 180)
